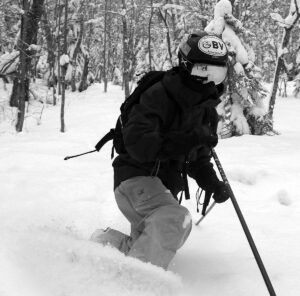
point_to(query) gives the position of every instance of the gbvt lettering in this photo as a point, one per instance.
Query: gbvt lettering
(216, 45)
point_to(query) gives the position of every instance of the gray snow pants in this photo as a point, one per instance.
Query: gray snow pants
(159, 225)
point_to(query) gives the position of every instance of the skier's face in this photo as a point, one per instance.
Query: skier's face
(209, 73)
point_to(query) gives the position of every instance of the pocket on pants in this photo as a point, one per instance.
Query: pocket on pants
(148, 194)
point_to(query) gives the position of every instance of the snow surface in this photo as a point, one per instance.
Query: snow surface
(49, 208)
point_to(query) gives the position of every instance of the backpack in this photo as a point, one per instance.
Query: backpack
(115, 134)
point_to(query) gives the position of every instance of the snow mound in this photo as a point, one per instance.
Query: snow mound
(58, 264)
(284, 197)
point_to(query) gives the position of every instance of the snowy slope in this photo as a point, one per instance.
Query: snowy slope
(49, 207)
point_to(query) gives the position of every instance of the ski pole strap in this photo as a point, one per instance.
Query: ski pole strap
(185, 181)
(245, 227)
(180, 198)
(206, 202)
(207, 211)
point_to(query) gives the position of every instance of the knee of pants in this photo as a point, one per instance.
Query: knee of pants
(171, 225)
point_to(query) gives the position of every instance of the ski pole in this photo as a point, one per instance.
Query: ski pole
(109, 136)
(207, 211)
(77, 155)
(245, 227)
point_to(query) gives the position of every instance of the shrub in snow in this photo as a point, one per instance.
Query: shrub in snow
(243, 110)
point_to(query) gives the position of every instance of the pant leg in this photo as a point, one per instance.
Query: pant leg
(165, 232)
(161, 223)
(116, 238)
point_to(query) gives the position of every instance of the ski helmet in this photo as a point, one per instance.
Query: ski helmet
(202, 47)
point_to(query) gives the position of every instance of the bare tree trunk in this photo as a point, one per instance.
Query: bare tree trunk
(75, 54)
(59, 49)
(63, 96)
(125, 53)
(51, 47)
(149, 36)
(109, 51)
(83, 82)
(279, 66)
(203, 4)
(104, 49)
(280, 62)
(164, 18)
(29, 29)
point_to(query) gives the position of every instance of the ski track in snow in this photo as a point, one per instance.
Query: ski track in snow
(49, 208)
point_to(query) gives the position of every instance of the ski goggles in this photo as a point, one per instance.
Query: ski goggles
(208, 73)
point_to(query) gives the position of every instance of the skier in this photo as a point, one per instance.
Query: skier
(169, 133)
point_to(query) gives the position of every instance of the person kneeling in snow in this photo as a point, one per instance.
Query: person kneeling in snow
(169, 134)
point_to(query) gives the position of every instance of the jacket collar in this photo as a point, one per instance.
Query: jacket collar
(189, 94)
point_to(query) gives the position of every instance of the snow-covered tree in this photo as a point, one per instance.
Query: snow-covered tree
(244, 99)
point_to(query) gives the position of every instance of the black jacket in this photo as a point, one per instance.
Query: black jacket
(163, 131)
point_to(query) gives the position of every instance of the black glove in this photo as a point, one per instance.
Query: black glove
(211, 141)
(221, 192)
(205, 137)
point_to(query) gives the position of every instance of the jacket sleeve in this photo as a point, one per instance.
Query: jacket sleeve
(202, 171)
(142, 133)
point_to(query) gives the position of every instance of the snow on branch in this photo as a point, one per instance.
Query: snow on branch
(237, 25)
(282, 51)
(15, 9)
(9, 62)
(173, 6)
(157, 5)
(64, 60)
(34, 47)
(278, 18)
(245, 92)
(292, 17)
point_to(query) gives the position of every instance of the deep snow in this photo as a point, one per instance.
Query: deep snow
(49, 208)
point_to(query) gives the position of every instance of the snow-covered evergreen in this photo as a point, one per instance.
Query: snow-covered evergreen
(245, 92)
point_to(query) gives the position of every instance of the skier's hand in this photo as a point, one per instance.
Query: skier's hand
(211, 141)
(205, 137)
(221, 192)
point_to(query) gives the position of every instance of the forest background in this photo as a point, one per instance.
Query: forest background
(70, 44)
